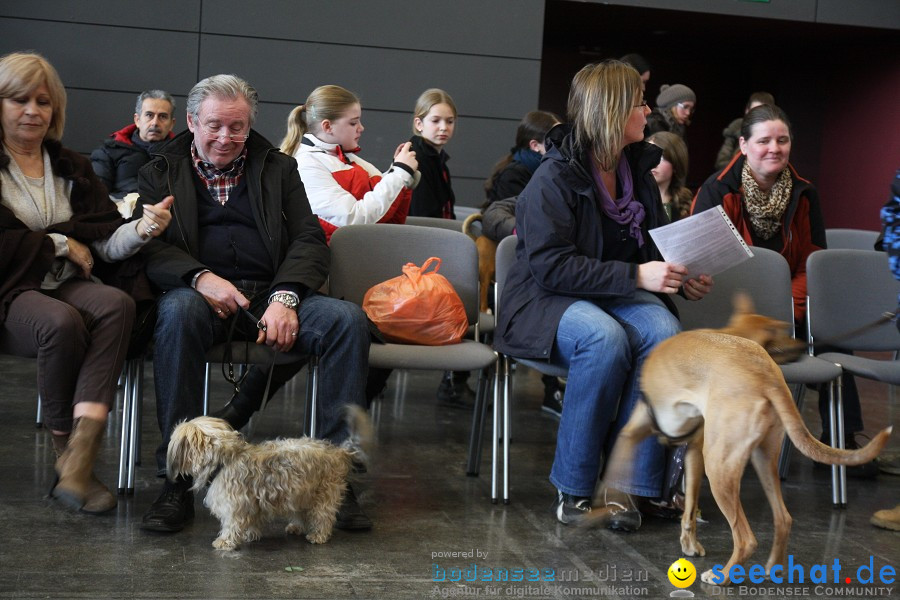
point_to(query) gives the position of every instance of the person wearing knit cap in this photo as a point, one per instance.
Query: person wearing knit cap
(674, 106)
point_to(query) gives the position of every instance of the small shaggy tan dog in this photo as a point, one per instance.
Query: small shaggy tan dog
(302, 479)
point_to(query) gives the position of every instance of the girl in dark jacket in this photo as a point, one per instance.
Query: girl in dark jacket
(434, 120)
(589, 289)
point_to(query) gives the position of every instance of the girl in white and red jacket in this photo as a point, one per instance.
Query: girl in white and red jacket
(343, 189)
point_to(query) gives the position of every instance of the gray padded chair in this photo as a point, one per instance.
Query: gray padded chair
(364, 255)
(850, 239)
(847, 291)
(451, 224)
(766, 278)
(506, 256)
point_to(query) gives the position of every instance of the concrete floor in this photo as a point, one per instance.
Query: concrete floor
(424, 508)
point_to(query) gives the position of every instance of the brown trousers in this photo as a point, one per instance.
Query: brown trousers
(79, 334)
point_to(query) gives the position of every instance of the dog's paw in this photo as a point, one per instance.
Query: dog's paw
(318, 537)
(691, 547)
(224, 544)
(711, 579)
(294, 529)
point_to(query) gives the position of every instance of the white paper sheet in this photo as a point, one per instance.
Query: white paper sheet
(706, 243)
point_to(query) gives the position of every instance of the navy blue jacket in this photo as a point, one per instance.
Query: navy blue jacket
(558, 255)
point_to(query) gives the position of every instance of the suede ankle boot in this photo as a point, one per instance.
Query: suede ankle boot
(77, 486)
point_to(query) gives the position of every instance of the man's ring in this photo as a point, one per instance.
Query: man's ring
(219, 311)
(155, 226)
(294, 334)
(148, 231)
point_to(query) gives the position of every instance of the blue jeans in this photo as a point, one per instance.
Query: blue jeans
(334, 330)
(604, 343)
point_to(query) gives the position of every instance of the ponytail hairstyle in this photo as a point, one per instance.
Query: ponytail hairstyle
(429, 99)
(325, 102)
(533, 126)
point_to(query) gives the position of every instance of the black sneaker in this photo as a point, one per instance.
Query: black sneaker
(867, 470)
(172, 510)
(569, 508)
(455, 391)
(624, 515)
(350, 516)
(553, 403)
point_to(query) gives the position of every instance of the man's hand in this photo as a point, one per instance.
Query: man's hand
(282, 327)
(221, 294)
(657, 276)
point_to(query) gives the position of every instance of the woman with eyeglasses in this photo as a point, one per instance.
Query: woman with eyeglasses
(675, 105)
(589, 289)
(58, 229)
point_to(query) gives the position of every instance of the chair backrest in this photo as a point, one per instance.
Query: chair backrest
(503, 261)
(849, 289)
(363, 255)
(766, 278)
(850, 239)
(451, 224)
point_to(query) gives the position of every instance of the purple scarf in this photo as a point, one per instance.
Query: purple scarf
(624, 210)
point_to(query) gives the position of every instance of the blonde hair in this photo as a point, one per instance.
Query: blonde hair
(601, 99)
(428, 100)
(21, 73)
(325, 102)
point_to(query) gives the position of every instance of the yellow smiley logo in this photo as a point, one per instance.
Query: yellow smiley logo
(682, 573)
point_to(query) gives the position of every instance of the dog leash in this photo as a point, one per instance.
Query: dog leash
(886, 317)
(228, 359)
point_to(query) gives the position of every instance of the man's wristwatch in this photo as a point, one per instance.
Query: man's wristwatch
(287, 298)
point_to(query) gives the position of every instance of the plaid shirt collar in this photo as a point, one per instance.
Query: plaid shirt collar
(219, 182)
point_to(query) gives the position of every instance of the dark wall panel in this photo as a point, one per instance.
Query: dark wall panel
(108, 58)
(385, 79)
(864, 13)
(488, 27)
(183, 15)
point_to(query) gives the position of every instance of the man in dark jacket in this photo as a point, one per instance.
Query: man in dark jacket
(121, 156)
(243, 258)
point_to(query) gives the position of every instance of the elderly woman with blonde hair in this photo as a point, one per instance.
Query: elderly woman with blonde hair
(56, 220)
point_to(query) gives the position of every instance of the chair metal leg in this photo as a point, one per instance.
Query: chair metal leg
(842, 469)
(836, 433)
(125, 458)
(507, 441)
(502, 370)
(473, 464)
(136, 384)
(206, 390)
(784, 459)
(38, 419)
(312, 392)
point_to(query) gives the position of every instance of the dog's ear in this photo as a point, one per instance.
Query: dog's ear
(177, 454)
(743, 304)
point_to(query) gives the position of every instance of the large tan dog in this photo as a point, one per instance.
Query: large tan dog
(487, 250)
(721, 392)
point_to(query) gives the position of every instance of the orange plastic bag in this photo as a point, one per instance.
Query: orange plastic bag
(417, 307)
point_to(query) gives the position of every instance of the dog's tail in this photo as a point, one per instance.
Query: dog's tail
(813, 448)
(361, 440)
(467, 224)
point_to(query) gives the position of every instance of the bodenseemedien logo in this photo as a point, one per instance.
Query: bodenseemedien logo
(682, 574)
